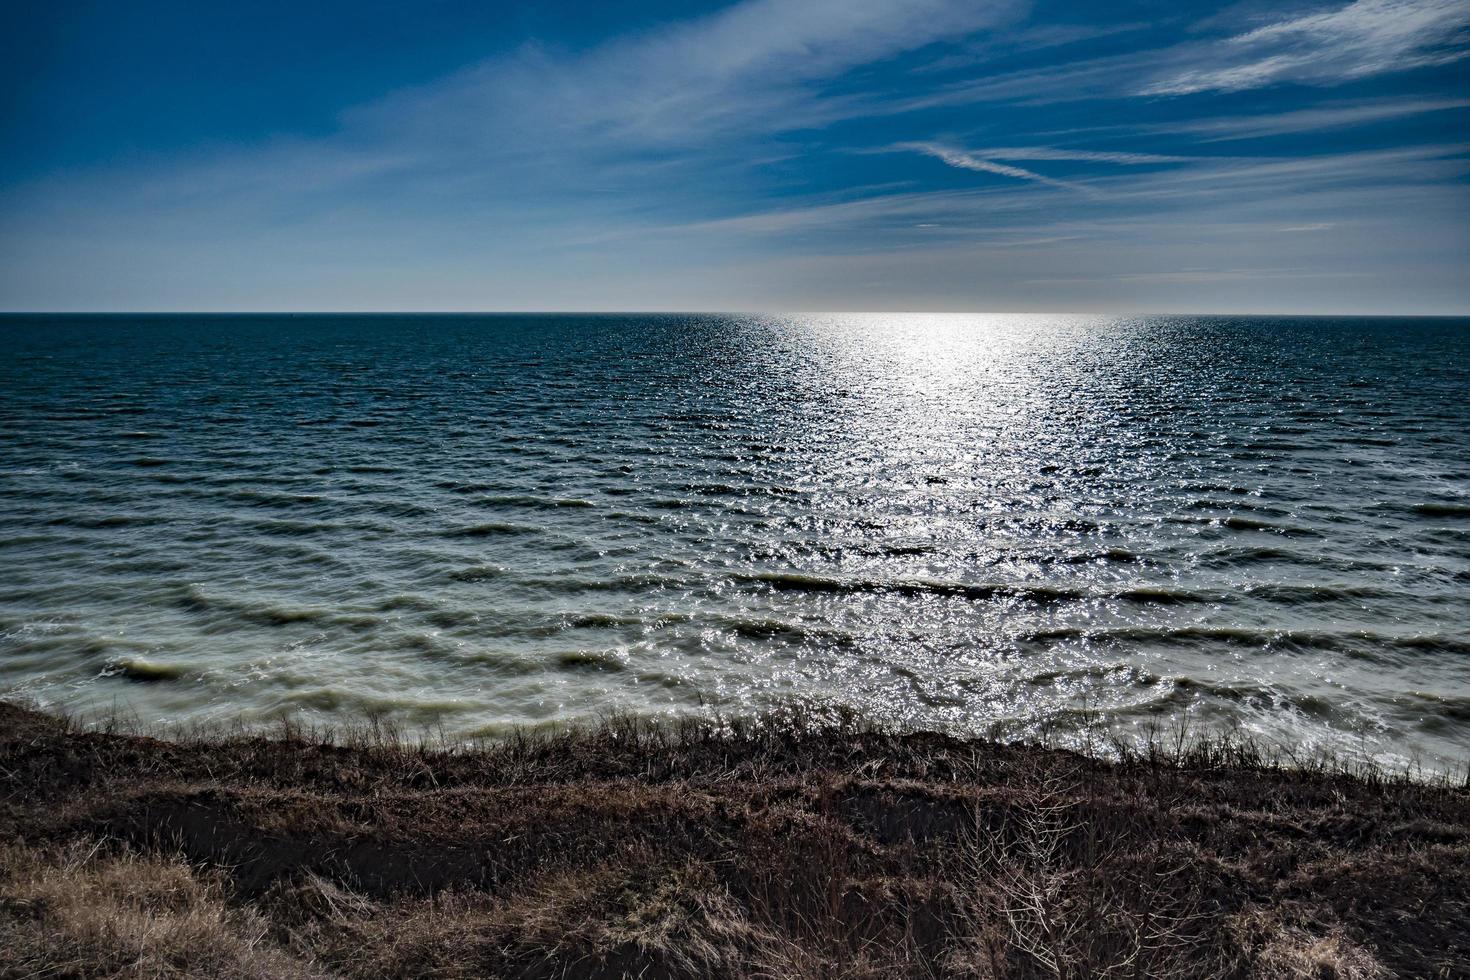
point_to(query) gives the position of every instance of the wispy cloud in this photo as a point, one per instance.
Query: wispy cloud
(1087, 156)
(965, 160)
(1219, 198)
(1335, 116)
(1189, 276)
(1366, 37)
(541, 122)
(1343, 43)
(702, 161)
(755, 65)
(1028, 39)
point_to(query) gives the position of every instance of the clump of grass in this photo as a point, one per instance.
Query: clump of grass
(83, 910)
(781, 847)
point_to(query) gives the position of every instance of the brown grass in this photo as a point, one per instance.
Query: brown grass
(775, 850)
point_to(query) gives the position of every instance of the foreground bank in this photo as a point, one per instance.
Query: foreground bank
(774, 850)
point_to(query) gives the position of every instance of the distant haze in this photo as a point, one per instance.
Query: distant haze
(941, 155)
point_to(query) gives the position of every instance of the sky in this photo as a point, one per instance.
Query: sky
(944, 155)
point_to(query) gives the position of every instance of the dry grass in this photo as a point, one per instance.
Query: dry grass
(777, 850)
(73, 911)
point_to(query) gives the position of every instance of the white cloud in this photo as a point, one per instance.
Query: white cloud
(971, 161)
(652, 155)
(1249, 197)
(1366, 37)
(1352, 41)
(754, 66)
(603, 127)
(1336, 116)
(1089, 156)
(1204, 275)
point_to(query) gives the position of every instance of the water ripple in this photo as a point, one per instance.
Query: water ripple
(945, 521)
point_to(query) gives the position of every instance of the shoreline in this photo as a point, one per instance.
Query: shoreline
(686, 850)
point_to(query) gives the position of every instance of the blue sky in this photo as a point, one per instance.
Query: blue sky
(984, 155)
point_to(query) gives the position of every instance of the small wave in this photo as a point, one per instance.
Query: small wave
(1041, 594)
(599, 621)
(25, 540)
(716, 489)
(655, 679)
(596, 621)
(274, 498)
(105, 521)
(570, 585)
(398, 508)
(448, 619)
(1248, 556)
(1274, 445)
(475, 573)
(411, 603)
(1352, 644)
(902, 550)
(1236, 505)
(427, 643)
(226, 610)
(144, 671)
(1159, 596)
(1190, 635)
(1436, 710)
(589, 660)
(1238, 523)
(489, 529)
(294, 529)
(636, 518)
(1111, 555)
(775, 629)
(287, 615)
(1185, 690)
(150, 565)
(351, 704)
(297, 551)
(1253, 556)
(1433, 643)
(802, 582)
(1131, 672)
(1441, 509)
(531, 502)
(1299, 595)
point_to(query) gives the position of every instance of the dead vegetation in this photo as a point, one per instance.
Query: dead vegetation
(775, 850)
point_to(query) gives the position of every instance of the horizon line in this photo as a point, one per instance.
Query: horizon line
(715, 312)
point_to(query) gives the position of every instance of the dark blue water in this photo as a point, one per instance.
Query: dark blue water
(956, 522)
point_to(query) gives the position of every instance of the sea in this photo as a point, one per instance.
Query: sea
(1022, 526)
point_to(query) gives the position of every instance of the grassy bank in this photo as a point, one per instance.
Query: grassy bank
(774, 850)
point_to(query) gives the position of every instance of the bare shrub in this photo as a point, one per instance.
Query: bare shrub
(1049, 892)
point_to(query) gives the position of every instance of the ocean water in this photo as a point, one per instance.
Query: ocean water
(965, 523)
